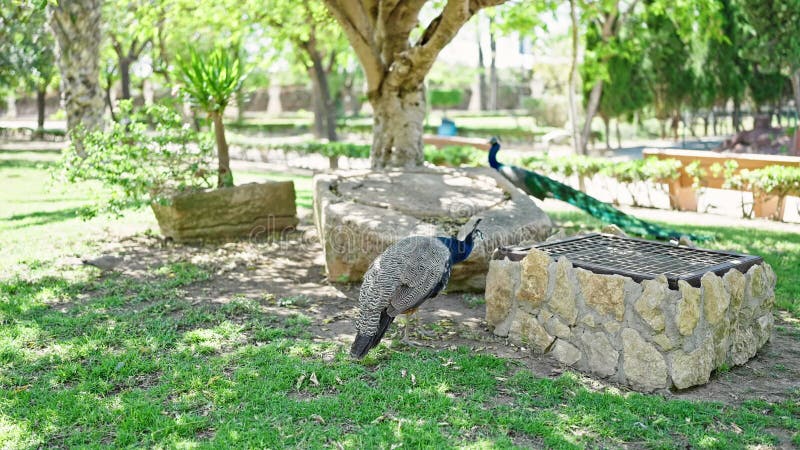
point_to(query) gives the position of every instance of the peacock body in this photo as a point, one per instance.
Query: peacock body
(543, 187)
(402, 278)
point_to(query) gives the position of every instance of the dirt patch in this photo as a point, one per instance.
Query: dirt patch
(286, 276)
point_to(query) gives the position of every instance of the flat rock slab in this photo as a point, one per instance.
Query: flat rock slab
(242, 211)
(359, 214)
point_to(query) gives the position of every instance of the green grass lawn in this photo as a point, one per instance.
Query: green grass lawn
(117, 361)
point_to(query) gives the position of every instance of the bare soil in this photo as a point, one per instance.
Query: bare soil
(286, 276)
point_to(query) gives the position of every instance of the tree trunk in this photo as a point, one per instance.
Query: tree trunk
(274, 107)
(714, 122)
(573, 81)
(76, 25)
(11, 104)
(494, 82)
(591, 110)
(224, 175)
(41, 97)
(737, 116)
(125, 77)
(325, 108)
(607, 125)
(481, 72)
(619, 135)
(796, 90)
(319, 115)
(397, 130)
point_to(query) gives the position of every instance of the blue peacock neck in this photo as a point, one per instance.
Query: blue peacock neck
(493, 156)
(459, 250)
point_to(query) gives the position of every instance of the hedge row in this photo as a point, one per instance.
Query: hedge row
(772, 180)
(451, 156)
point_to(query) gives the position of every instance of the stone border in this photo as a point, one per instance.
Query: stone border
(643, 335)
(353, 233)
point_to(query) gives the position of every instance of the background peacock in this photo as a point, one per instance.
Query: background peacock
(541, 186)
(402, 278)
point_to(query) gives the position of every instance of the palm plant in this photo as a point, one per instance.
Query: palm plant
(210, 80)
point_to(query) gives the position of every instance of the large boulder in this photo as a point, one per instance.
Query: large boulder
(359, 214)
(242, 211)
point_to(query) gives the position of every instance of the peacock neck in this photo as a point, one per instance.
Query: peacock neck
(459, 250)
(493, 156)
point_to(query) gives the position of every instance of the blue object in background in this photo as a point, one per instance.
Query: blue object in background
(447, 128)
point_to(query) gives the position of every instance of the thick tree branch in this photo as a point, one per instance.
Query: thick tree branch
(373, 69)
(415, 63)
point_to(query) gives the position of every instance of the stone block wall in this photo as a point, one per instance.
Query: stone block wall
(643, 335)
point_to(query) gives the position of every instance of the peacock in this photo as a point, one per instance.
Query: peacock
(409, 272)
(541, 186)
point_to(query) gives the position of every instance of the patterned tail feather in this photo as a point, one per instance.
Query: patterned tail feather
(364, 343)
(541, 186)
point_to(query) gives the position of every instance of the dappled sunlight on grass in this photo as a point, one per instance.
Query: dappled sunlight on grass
(147, 357)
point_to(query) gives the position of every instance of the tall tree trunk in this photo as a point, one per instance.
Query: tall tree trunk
(591, 110)
(274, 103)
(319, 108)
(619, 135)
(224, 175)
(607, 125)
(325, 107)
(494, 82)
(41, 97)
(76, 25)
(11, 104)
(397, 128)
(109, 102)
(573, 81)
(481, 72)
(737, 116)
(125, 76)
(796, 90)
(714, 121)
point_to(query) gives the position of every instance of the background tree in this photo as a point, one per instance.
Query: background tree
(604, 20)
(626, 90)
(381, 34)
(669, 64)
(27, 58)
(76, 25)
(775, 31)
(725, 61)
(130, 27)
(317, 43)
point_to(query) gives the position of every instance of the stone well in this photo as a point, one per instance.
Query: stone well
(640, 334)
(359, 214)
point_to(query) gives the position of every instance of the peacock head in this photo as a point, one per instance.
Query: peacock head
(461, 247)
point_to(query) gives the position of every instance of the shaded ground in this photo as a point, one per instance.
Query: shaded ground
(287, 276)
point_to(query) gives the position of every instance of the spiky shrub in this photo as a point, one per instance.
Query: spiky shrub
(210, 81)
(138, 164)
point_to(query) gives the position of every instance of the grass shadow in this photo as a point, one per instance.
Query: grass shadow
(44, 217)
(24, 164)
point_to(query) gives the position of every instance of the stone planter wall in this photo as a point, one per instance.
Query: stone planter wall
(360, 213)
(249, 210)
(643, 335)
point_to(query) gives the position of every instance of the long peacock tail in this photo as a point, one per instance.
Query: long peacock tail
(541, 186)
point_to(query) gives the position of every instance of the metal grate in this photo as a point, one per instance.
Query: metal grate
(642, 260)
